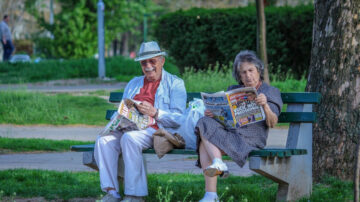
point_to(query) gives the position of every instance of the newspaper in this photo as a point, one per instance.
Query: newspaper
(128, 118)
(234, 108)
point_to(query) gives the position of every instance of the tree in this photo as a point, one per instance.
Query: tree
(261, 37)
(75, 26)
(335, 73)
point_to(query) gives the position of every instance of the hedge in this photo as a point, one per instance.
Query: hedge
(121, 68)
(200, 37)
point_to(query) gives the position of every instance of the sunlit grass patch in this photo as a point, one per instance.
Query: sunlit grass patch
(21, 107)
(35, 144)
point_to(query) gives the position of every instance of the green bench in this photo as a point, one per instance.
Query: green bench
(290, 167)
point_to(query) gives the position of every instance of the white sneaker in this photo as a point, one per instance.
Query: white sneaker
(110, 198)
(207, 200)
(217, 168)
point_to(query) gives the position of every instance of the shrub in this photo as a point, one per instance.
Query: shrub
(116, 67)
(201, 37)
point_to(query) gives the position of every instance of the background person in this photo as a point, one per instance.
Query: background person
(214, 139)
(6, 41)
(163, 97)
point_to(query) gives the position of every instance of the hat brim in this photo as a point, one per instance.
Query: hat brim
(144, 57)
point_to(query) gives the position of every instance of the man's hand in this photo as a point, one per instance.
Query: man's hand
(261, 99)
(4, 40)
(208, 113)
(146, 108)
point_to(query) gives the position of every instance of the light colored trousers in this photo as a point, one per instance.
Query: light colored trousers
(130, 145)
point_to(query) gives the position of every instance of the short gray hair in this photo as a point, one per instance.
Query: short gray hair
(250, 57)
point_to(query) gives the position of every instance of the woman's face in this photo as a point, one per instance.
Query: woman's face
(249, 74)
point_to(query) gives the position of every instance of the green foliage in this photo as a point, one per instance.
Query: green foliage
(75, 26)
(19, 107)
(119, 67)
(67, 185)
(200, 37)
(26, 144)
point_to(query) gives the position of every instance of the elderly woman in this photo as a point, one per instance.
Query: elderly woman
(214, 139)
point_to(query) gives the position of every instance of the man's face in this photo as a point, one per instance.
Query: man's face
(152, 68)
(7, 19)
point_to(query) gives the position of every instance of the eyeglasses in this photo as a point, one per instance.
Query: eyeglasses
(152, 61)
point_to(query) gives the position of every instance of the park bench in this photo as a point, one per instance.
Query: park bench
(290, 167)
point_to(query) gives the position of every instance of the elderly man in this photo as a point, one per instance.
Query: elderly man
(6, 41)
(163, 97)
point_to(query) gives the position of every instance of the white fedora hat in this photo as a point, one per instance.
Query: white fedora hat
(149, 50)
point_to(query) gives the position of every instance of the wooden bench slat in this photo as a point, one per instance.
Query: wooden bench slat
(306, 97)
(109, 113)
(82, 148)
(303, 98)
(174, 151)
(278, 152)
(263, 152)
(285, 117)
(115, 96)
(297, 117)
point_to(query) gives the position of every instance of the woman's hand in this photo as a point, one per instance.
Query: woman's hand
(146, 108)
(261, 99)
(208, 113)
(271, 118)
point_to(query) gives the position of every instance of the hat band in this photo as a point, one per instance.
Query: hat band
(149, 52)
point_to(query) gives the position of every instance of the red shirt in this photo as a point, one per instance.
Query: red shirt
(147, 93)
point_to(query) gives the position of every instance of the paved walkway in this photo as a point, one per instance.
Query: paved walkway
(73, 85)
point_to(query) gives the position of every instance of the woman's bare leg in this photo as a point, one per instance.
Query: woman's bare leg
(205, 160)
(211, 149)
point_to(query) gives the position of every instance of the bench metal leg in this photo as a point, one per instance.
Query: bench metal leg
(292, 175)
(89, 160)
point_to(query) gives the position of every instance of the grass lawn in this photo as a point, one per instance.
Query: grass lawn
(25, 108)
(67, 185)
(30, 145)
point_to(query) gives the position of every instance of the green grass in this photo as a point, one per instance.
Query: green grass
(34, 144)
(216, 79)
(119, 67)
(20, 107)
(290, 85)
(67, 185)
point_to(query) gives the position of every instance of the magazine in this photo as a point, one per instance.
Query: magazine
(234, 108)
(128, 118)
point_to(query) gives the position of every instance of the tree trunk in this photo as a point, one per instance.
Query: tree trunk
(115, 48)
(261, 37)
(335, 73)
(125, 44)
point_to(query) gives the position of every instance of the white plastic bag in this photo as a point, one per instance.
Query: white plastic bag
(192, 114)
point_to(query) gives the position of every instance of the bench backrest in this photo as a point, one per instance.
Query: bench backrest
(292, 99)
